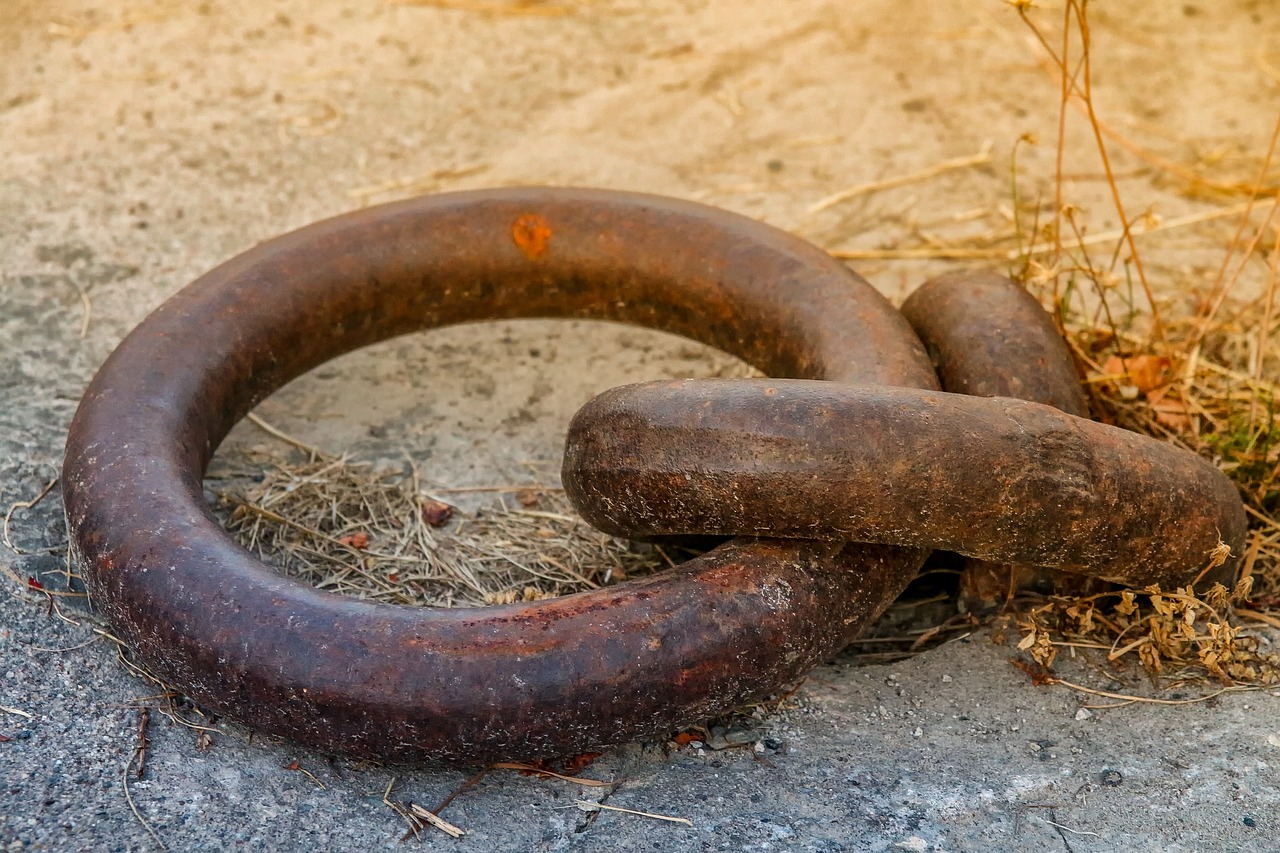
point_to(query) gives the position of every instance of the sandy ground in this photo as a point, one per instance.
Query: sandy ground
(143, 143)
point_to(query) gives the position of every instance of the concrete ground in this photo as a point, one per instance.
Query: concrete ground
(141, 143)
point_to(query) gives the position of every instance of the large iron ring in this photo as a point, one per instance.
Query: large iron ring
(524, 680)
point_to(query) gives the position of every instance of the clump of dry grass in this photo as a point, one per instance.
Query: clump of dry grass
(1177, 636)
(375, 534)
(1192, 368)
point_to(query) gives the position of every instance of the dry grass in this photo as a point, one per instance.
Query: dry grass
(345, 527)
(1190, 365)
(1181, 359)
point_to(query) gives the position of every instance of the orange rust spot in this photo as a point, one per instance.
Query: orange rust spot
(577, 763)
(532, 234)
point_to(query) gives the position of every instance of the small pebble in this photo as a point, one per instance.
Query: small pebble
(946, 679)
(1111, 778)
(436, 513)
(1249, 821)
(1084, 714)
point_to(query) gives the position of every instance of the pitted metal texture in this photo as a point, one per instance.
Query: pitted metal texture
(988, 337)
(1004, 480)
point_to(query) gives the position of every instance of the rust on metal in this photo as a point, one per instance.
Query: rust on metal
(994, 478)
(525, 680)
(532, 234)
(988, 337)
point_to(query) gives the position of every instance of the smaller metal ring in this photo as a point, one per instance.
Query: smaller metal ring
(994, 478)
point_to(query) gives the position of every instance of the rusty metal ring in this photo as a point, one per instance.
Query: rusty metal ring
(522, 680)
(988, 337)
(994, 478)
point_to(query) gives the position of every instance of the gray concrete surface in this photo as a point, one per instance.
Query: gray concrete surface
(143, 143)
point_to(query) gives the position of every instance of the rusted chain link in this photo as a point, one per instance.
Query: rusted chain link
(989, 337)
(996, 478)
(1016, 481)
(524, 680)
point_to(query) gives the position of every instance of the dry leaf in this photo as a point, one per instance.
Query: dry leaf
(1174, 414)
(359, 541)
(1144, 372)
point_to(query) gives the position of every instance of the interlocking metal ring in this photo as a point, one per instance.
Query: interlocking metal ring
(523, 680)
(988, 337)
(855, 456)
(995, 478)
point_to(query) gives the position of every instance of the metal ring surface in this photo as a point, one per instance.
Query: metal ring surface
(988, 337)
(523, 680)
(994, 478)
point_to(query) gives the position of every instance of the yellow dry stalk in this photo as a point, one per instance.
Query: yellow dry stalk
(1178, 630)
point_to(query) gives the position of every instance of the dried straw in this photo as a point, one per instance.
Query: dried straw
(345, 527)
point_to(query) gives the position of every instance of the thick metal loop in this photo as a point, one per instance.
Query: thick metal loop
(525, 680)
(994, 478)
(988, 337)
